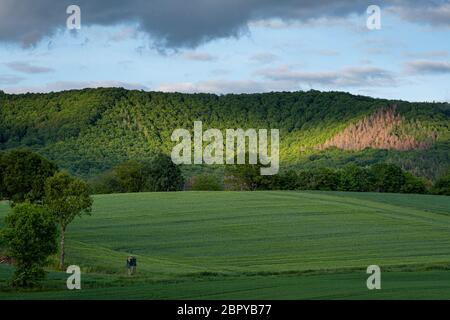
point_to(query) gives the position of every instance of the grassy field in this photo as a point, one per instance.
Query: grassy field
(256, 245)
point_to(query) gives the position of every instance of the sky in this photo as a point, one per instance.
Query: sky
(228, 46)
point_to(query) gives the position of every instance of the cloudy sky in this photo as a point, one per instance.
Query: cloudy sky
(228, 46)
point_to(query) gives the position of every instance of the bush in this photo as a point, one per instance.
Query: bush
(206, 182)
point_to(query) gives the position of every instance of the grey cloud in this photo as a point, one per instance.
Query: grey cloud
(198, 56)
(326, 53)
(264, 58)
(346, 77)
(436, 13)
(427, 54)
(10, 79)
(26, 67)
(180, 23)
(427, 67)
(219, 72)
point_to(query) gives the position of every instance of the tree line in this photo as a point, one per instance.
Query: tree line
(381, 177)
(159, 174)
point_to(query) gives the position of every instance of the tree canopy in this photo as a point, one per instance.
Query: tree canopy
(23, 174)
(154, 175)
(30, 236)
(66, 197)
(91, 131)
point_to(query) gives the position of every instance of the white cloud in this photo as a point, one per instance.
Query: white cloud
(264, 58)
(125, 33)
(225, 86)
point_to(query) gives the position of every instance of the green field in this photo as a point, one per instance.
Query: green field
(256, 245)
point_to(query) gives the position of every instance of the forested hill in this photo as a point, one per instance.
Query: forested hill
(89, 131)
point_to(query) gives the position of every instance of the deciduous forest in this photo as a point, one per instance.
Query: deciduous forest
(89, 132)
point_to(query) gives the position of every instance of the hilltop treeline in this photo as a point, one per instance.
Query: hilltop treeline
(88, 132)
(23, 175)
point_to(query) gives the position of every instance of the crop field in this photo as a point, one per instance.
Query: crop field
(255, 245)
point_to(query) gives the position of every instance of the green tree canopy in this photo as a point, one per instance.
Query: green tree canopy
(90, 131)
(131, 176)
(414, 184)
(247, 177)
(157, 174)
(442, 186)
(163, 175)
(30, 236)
(388, 177)
(23, 174)
(66, 197)
(354, 178)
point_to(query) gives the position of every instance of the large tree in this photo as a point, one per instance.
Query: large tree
(354, 178)
(23, 174)
(66, 197)
(131, 176)
(161, 174)
(247, 177)
(157, 174)
(30, 236)
(388, 177)
(442, 186)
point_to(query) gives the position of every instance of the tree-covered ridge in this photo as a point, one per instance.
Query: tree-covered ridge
(90, 131)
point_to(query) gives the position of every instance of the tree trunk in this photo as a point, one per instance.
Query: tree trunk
(61, 258)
